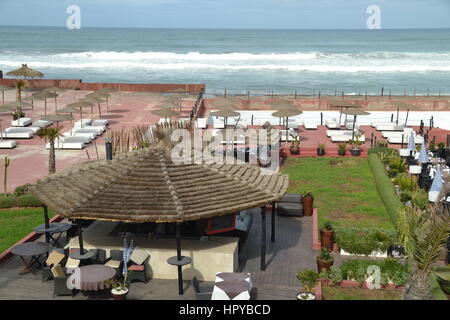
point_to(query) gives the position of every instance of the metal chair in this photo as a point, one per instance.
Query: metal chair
(60, 282)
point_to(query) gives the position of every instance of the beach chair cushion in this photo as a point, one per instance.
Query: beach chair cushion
(41, 123)
(58, 271)
(85, 122)
(54, 258)
(138, 256)
(136, 267)
(72, 263)
(309, 125)
(100, 122)
(113, 264)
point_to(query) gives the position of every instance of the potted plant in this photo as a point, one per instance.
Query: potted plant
(295, 144)
(356, 145)
(119, 289)
(341, 148)
(308, 279)
(308, 204)
(17, 114)
(324, 260)
(441, 150)
(321, 150)
(327, 236)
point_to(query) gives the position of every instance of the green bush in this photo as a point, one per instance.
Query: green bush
(21, 190)
(420, 199)
(364, 241)
(390, 269)
(397, 164)
(12, 201)
(385, 186)
(405, 182)
(436, 289)
(405, 196)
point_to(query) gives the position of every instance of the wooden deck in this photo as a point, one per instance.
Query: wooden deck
(290, 253)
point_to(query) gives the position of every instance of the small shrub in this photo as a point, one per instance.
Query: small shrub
(309, 279)
(325, 255)
(21, 190)
(364, 241)
(405, 196)
(335, 275)
(405, 182)
(382, 144)
(26, 200)
(420, 199)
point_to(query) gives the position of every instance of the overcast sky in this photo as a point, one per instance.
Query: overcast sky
(294, 14)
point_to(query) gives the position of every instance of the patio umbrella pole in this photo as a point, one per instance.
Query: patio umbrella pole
(407, 114)
(353, 131)
(274, 212)
(80, 238)
(398, 111)
(180, 273)
(263, 238)
(47, 224)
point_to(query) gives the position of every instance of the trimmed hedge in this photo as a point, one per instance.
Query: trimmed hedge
(364, 241)
(385, 186)
(12, 201)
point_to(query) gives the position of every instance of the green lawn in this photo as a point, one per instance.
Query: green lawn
(338, 293)
(344, 190)
(17, 223)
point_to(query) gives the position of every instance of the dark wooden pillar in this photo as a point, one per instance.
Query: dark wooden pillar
(274, 212)
(47, 224)
(179, 258)
(263, 238)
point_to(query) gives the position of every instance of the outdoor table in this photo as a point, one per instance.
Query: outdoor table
(232, 286)
(91, 277)
(31, 250)
(53, 228)
(88, 254)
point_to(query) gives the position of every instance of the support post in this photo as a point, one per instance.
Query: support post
(47, 224)
(263, 238)
(274, 212)
(180, 271)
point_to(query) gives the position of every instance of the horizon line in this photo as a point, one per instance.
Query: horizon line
(228, 28)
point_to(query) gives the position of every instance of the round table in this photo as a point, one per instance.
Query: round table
(91, 277)
(88, 254)
(31, 250)
(52, 229)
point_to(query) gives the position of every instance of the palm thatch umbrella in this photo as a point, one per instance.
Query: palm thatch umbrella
(147, 186)
(407, 106)
(166, 113)
(55, 90)
(101, 95)
(94, 99)
(57, 118)
(79, 105)
(3, 89)
(225, 114)
(286, 114)
(71, 110)
(341, 104)
(17, 105)
(25, 72)
(44, 95)
(355, 112)
(168, 106)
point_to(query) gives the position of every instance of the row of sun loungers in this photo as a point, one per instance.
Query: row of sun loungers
(81, 134)
(18, 131)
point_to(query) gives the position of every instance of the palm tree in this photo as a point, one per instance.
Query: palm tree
(426, 236)
(20, 86)
(51, 134)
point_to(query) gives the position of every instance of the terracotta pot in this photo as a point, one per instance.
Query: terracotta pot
(308, 204)
(323, 265)
(349, 284)
(327, 238)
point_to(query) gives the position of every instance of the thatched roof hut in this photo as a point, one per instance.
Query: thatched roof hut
(146, 186)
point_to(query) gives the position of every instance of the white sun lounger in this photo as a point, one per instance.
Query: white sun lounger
(309, 125)
(99, 122)
(67, 145)
(289, 137)
(349, 125)
(101, 129)
(91, 136)
(7, 144)
(77, 124)
(41, 123)
(21, 122)
(331, 124)
(331, 133)
(201, 123)
(292, 123)
(389, 127)
(396, 134)
(346, 138)
(398, 140)
(25, 134)
(93, 130)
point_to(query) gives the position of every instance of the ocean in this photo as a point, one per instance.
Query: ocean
(260, 61)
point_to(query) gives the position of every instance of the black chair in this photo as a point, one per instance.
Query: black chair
(116, 260)
(202, 291)
(46, 269)
(100, 256)
(60, 283)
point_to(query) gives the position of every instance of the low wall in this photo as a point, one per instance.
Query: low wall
(77, 84)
